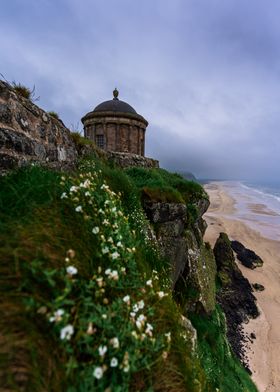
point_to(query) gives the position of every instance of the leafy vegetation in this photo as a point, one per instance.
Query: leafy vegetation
(86, 303)
(54, 114)
(24, 91)
(223, 370)
(90, 311)
(160, 185)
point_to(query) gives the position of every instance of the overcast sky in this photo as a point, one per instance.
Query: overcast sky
(204, 73)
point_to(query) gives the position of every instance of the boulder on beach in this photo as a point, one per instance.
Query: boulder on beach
(247, 257)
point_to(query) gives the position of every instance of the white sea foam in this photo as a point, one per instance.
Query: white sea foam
(256, 206)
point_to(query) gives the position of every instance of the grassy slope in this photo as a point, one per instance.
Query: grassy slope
(38, 231)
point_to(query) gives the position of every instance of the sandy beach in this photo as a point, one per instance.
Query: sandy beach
(263, 352)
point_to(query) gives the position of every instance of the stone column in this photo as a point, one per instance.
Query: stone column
(129, 132)
(92, 132)
(143, 141)
(105, 135)
(117, 146)
(138, 141)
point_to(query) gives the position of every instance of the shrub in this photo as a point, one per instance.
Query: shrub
(54, 115)
(24, 91)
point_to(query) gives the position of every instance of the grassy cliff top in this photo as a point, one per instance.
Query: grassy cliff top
(86, 303)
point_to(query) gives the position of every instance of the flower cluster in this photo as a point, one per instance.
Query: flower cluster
(112, 318)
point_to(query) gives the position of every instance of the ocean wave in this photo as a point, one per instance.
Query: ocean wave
(263, 192)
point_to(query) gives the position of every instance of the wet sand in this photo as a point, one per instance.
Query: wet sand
(264, 352)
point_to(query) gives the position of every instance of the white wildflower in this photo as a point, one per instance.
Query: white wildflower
(135, 308)
(114, 362)
(126, 299)
(73, 189)
(66, 332)
(102, 350)
(119, 244)
(115, 255)
(79, 209)
(99, 281)
(105, 250)
(106, 222)
(140, 321)
(98, 373)
(132, 314)
(149, 283)
(90, 330)
(64, 195)
(168, 337)
(71, 270)
(161, 294)
(95, 230)
(134, 334)
(57, 316)
(114, 275)
(87, 194)
(141, 304)
(115, 342)
(126, 369)
(149, 330)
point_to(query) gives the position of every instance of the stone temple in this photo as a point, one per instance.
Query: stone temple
(115, 126)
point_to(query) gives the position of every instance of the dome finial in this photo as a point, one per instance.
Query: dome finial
(115, 93)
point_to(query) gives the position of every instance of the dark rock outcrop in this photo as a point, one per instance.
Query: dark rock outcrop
(258, 287)
(235, 295)
(192, 262)
(247, 257)
(29, 135)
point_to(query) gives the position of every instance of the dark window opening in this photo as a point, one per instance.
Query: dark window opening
(100, 142)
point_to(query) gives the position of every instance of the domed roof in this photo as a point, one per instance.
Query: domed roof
(115, 105)
(114, 108)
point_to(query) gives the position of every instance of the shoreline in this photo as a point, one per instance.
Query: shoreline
(262, 353)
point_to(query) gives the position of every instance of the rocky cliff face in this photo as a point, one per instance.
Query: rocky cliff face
(28, 134)
(235, 294)
(181, 242)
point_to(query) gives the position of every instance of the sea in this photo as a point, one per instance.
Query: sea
(257, 204)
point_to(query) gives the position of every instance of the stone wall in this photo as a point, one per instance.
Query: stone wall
(123, 159)
(28, 134)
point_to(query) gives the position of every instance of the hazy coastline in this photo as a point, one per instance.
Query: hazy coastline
(253, 218)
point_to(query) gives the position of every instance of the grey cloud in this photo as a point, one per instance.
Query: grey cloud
(204, 73)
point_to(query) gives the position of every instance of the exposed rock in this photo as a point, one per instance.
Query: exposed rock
(28, 134)
(166, 212)
(247, 257)
(258, 287)
(124, 159)
(235, 295)
(193, 264)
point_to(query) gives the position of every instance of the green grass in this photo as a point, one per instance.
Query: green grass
(37, 229)
(54, 115)
(160, 185)
(223, 369)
